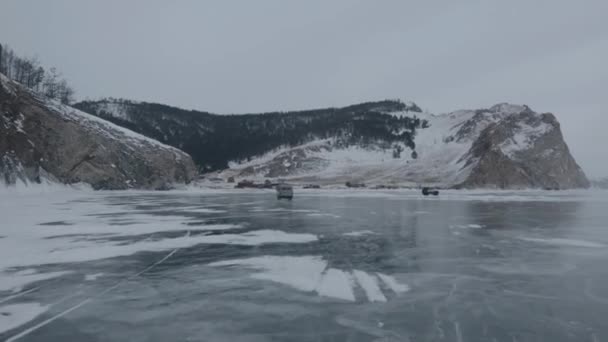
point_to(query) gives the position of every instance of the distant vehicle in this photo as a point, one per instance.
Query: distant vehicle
(284, 191)
(382, 187)
(312, 186)
(430, 191)
(245, 184)
(355, 185)
(267, 184)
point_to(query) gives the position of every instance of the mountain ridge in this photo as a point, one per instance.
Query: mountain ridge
(390, 142)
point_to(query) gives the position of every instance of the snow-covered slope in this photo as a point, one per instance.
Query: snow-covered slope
(44, 141)
(505, 146)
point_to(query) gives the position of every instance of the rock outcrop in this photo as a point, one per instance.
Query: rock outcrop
(42, 140)
(523, 150)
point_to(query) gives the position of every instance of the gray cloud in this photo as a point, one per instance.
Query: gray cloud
(249, 56)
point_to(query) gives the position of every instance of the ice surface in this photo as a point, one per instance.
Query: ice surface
(203, 210)
(565, 242)
(475, 287)
(71, 226)
(16, 280)
(15, 315)
(274, 210)
(479, 195)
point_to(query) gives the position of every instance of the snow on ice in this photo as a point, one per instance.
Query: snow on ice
(313, 274)
(66, 226)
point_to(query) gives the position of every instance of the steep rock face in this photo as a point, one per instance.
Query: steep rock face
(42, 140)
(523, 150)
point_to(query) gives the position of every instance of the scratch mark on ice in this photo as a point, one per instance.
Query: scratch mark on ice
(18, 294)
(90, 299)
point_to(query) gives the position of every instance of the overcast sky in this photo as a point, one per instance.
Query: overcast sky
(230, 56)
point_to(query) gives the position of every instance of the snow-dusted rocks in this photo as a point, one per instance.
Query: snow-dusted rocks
(42, 140)
(522, 149)
(505, 146)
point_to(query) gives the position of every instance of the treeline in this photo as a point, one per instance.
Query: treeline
(29, 72)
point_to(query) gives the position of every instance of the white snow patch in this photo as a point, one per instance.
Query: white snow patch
(81, 226)
(311, 274)
(508, 108)
(359, 233)
(92, 277)
(393, 284)
(323, 215)
(523, 138)
(370, 286)
(336, 283)
(202, 210)
(467, 226)
(87, 250)
(15, 315)
(115, 109)
(302, 273)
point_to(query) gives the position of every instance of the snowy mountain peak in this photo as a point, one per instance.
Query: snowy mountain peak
(508, 108)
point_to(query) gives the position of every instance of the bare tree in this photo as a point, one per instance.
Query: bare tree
(9, 57)
(64, 92)
(31, 74)
(50, 82)
(1, 60)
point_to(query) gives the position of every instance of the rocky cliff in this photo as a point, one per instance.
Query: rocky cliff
(521, 149)
(42, 140)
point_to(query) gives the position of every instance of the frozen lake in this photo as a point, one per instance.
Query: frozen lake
(328, 266)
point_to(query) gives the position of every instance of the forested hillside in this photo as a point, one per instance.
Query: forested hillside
(214, 140)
